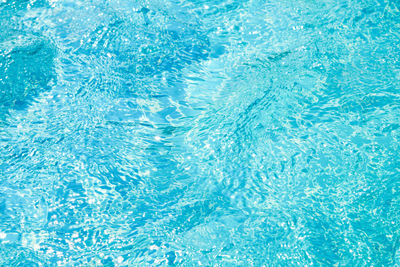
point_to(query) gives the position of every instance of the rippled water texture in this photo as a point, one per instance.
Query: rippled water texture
(188, 132)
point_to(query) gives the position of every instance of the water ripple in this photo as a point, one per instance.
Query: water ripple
(199, 133)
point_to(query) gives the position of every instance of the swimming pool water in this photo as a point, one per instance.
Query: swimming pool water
(196, 132)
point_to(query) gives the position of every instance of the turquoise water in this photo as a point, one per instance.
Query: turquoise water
(178, 132)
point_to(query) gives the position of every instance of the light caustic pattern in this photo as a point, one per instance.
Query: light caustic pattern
(229, 133)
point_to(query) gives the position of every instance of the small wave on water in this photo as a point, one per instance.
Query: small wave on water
(182, 132)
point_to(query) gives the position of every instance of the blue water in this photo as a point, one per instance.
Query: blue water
(196, 132)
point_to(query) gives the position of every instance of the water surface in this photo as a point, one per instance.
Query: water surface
(227, 133)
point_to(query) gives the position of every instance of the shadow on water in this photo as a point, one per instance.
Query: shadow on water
(27, 58)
